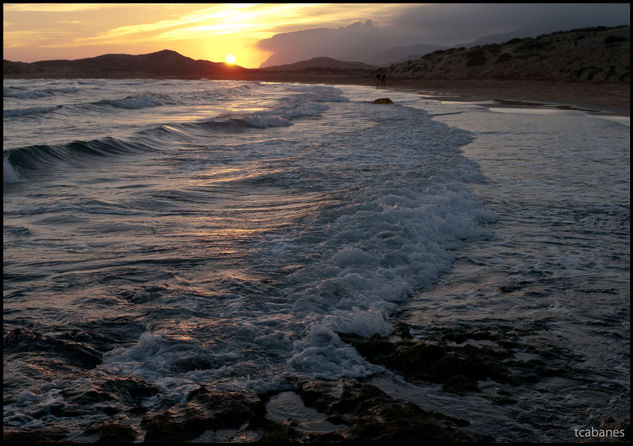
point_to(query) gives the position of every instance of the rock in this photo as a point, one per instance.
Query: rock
(130, 389)
(204, 410)
(383, 101)
(280, 433)
(230, 409)
(373, 416)
(12, 435)
(458, 358)
(622, 426)
(20, 340)
(460, 384)
(113, 432)
(365, 413)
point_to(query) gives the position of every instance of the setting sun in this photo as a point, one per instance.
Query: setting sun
(230, 59)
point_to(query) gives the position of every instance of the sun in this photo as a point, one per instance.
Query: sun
(230, 59)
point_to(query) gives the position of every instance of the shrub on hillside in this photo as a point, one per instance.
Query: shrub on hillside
(531, 45)
(476, 57)
(503, 57)
(615, 39)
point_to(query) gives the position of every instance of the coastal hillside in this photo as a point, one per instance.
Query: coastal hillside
(598, 54)
(321, 63)
(164, 63)
(402, 54)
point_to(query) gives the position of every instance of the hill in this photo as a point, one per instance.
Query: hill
(321, 63)
(402, 53)
(588, 54)
(164, 63)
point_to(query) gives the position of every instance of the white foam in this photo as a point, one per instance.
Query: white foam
(392, 183)
(321, 354)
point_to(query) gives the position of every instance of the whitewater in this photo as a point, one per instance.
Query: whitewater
(224, 233)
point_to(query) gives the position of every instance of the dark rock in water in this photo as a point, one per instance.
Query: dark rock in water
(229, 409)
(106, 334)
(14, 338)
(373, 416)
(11, 435)
(402, 330)
(113, 432)
(83, 397)
(382, 101)
(144, 295)
(19, 340)
(280, 433)
(622, 427)
(204, 410)
(117, 396)
(460, 384)
(129, 389)
(162, 428)
(363, 412)
(442, 359)
(189, 364)
(110, 410)
(502, 398)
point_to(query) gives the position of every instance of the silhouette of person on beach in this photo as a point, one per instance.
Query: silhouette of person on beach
(377, 79)
(383, 79)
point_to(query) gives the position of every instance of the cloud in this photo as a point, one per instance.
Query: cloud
(56, 7)
(356, 41)
(436, 24)
(454, 23)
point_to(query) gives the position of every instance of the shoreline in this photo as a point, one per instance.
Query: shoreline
(613, 99)
(604, 97)
(608, 98)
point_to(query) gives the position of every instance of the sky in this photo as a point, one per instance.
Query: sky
(276, 33)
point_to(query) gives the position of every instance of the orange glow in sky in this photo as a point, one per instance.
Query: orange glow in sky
(47, 31)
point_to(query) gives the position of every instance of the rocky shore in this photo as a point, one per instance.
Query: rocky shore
(352, 411)
(317, 411)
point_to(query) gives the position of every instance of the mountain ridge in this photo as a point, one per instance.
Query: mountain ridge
(321, 63)
(588, 54)
(157, 64)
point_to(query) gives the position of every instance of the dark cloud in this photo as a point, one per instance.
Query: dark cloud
(355, 41)
(438, 24)
(455, 23)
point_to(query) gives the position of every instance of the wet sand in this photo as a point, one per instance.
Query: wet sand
(612, 98)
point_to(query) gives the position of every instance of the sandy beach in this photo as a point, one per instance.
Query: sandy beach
(612, 98)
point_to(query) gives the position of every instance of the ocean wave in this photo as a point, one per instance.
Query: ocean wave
(13, 113)
(9, 174)
(282, 115)
(18, 161)
(92, 82)
(402, 216)
(24, 93)
(130, 102)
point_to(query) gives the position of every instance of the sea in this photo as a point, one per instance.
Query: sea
(223, 233)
